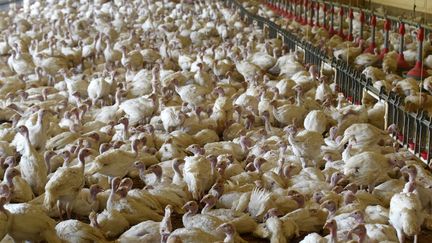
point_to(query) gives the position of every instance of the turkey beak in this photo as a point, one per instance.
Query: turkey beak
(220, 228)
(188, 152)
(203, 200)
(185, 207)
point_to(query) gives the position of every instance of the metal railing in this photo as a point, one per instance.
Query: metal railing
(415, 129)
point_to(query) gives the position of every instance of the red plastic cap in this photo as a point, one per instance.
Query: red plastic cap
(373, 20)
(387, 24)
(351, 14)
(401, 28)
(362, 17)
(420, 34)
(324, 7)
(341, 11)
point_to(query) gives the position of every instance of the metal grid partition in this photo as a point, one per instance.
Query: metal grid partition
(415, 129)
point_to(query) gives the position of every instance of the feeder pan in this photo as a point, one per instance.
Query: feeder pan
(383, 52)
(371, 48)
(401, 63)
(411, 145)
(400, 137)
(418, 71)
(424, 154)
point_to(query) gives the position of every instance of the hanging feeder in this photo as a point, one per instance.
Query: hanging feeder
(277, 6)
(424, 154)
(281, 7)
(299, 16)
(400, 137)
(350, 32)
(387, 27)
(325, 16)
(401, 63)
(270, 4)
(290, 13)
(372, 45)
(411, 144)
(418, 71)
(287, 8)
(305, 12)
(331, 30)
(341, 19)
(311, 11)
(317, 8)
(362, 21)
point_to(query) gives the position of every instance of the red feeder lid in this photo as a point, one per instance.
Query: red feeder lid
(411, 145)
(387, 24)
(351, 14)
(362, 17)
(420, 34)
(424, 154)
(373, 20)
(401, 28)
(341, 11)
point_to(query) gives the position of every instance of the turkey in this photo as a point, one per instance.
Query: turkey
(306, 144)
